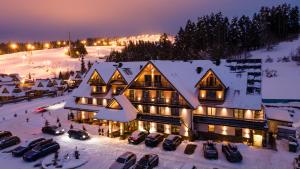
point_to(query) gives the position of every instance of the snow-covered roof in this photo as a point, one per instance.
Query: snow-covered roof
(10, 91)
(127, 112)
(71, 104)
(279, 114)
(42, 84)
(106, 70)
(183, 76)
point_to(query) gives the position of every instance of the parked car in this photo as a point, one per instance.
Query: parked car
(78, 134)
(20, 150)
(153, 139)
(4, 134)
(137, 137)
(188, 166)
(171, 142)
(124, 161)
(40, 151)
(53, 130)
(148, 161)
(232, 153)
(209, 150)
(9, 141)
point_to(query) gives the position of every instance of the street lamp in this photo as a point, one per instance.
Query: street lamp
(13, 46)
(47, 45)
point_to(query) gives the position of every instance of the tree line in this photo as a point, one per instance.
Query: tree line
(215, 36)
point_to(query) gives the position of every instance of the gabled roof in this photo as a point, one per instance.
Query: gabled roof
(106, 70)
(218, 77)
(8, 90)
(126, 114)
(117, 71)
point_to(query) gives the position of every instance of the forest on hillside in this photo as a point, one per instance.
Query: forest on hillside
(216, 36)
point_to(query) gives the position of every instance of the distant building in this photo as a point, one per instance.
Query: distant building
(75, 79)
(10, 92)
(9, 79)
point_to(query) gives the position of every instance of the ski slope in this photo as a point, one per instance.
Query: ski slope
(287, 83)
(49, 62)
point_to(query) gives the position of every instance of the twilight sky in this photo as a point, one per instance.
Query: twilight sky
(28, 20)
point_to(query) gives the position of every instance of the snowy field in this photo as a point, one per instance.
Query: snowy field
(47, 63)
(103, 151)
(287, 83)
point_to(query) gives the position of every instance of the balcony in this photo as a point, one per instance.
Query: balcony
(152, 85)
(173, 120)
(160, 102)
(96, 83)
(230, 121)
(210, 87)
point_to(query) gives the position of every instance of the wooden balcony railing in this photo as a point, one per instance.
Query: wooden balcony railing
(210, 87)
(160, 101)
(145, 84)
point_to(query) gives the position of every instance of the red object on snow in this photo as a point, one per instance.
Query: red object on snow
(40, 109)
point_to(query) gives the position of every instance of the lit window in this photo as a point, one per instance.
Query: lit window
(211, 111)
(211, 128)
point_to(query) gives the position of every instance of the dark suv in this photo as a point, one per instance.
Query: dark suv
(4, 134)
(124, 161)
(171, 142)
(153, 139)
(20, 150)
(41, 151)
(78, 134)
(137, 137)
(148, 161)
(53, 130)
(209, 150)
(9, 141)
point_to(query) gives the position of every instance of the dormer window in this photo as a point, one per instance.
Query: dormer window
(211, 87)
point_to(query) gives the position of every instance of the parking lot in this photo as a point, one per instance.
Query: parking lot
(102, 151)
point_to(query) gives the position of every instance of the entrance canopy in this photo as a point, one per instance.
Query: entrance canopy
(126, 113)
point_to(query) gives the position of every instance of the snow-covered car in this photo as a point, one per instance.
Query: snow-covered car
(53, 130)
(153, 139)
(41, 151)
(148, 161)
(78, 134)
(9, 141)
(232, 153)
(137, 137)
(188, 166)
(209, 150)
(22, 149)
(124, 161)
(171, 142)
(4, 134)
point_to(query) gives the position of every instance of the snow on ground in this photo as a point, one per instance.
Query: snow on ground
(47, 63)
(103, 150)
(286, 84)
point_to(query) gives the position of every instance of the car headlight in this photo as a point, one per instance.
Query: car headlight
(63, 130)
(57, 132)
(83, 136)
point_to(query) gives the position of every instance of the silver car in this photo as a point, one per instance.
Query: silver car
(124, 161)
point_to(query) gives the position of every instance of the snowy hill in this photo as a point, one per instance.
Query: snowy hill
(48, 62)
(286, 85)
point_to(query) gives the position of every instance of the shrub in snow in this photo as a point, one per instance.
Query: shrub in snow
(269, 60)
(285, 59)
(271, 73)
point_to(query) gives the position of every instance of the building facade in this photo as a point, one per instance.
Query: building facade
(194, 97)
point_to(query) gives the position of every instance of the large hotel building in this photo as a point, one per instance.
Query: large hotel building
(212, 100)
